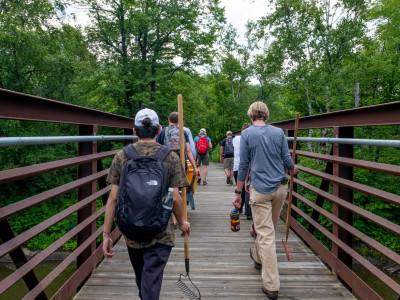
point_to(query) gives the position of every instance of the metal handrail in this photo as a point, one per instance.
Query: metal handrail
(365, 142)
(22, 141)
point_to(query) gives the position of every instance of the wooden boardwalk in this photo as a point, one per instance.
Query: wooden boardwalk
(220, 264)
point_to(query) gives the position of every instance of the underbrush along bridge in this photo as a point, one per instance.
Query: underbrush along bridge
(219, 258)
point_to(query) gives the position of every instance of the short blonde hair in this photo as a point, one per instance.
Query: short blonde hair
(258, 111)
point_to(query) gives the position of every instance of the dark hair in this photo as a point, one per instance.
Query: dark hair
(146, 131)
(173, 117)
(146, 122)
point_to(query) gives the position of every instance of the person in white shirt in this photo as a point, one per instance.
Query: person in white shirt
(245, 195)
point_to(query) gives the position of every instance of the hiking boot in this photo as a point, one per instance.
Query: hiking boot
(256, 264)
(270, 294)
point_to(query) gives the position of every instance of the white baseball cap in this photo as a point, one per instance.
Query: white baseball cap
(146, 113)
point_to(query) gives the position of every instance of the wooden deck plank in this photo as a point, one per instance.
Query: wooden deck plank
(220, 264)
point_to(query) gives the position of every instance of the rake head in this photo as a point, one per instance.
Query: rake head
(190, 293)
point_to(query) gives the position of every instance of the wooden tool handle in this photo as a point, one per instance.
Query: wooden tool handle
(289, 206)
(182, 156)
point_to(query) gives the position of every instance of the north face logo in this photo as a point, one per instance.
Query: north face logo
(152, 182)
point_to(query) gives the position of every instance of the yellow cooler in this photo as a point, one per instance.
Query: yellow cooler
(193, 183)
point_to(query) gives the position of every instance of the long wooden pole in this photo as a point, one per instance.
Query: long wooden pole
(289, 208)
(182, 156)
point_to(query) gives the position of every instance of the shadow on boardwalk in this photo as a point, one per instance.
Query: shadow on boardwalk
(219, 259)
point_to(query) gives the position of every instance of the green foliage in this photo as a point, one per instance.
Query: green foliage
(38, 57)
(143, 43)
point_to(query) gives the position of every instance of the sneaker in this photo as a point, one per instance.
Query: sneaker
(270, 294)
(199, 180)
(228, 180)
(249, 218)
(256, 264)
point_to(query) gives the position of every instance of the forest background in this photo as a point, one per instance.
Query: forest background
(302, 56)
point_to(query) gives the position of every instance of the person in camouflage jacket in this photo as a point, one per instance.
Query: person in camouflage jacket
(148, 259)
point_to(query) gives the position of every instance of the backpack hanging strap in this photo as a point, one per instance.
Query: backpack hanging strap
(131, 152)
(162, 153)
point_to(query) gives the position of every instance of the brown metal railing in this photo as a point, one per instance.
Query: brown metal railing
(337, 185)
(90, 186)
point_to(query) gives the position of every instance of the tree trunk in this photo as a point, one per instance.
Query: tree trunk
(357, 95)
(328, 108)
(128, 104)
(153, 82)
(309, 112)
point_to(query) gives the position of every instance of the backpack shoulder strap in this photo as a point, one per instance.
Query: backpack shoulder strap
(162, 153)
(161, 137)
(131, 152)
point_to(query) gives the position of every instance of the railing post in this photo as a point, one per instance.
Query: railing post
(344, 193)
(290, 133)
(127, 132)
(86, 148)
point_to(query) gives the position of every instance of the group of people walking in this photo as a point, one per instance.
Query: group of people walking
(257, 159)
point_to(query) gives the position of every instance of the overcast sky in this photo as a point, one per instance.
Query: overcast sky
(238, 12)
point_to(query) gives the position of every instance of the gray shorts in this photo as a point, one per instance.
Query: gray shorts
(203, 159)
(228, 163)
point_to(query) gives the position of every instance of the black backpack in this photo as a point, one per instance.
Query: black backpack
(142, 186)
(229, 147)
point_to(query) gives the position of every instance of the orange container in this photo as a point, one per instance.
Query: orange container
(192, 181)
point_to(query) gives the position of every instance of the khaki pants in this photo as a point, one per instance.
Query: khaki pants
(266, 209)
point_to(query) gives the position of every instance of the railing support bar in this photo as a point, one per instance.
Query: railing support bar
(18, 257)
(86, 148)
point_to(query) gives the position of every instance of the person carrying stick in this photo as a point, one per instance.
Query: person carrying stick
(265, 148)
(149, 257)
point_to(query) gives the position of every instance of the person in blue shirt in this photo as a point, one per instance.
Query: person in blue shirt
(172, 140)
(265, 148)
(190, 137)
(203, 158)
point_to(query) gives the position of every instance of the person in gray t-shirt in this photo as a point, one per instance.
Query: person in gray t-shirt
(265, 148)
